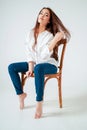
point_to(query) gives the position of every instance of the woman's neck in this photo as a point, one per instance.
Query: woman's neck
(41, 29)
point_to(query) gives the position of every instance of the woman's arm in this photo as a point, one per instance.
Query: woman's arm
(57, 37)
(31, 68)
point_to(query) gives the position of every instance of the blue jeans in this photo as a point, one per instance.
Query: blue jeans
(39, 71)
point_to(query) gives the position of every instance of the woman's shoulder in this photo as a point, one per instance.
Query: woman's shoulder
(48, 33)
(29, 35)
(30, 32)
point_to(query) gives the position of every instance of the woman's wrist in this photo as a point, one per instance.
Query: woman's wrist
(30, 66)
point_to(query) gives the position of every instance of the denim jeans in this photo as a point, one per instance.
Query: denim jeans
(39, 71)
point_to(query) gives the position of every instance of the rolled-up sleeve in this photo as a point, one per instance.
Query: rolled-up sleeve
(45, 53)
(29, 50)
(30, 54)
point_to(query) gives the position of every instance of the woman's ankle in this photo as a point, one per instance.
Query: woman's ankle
(21, 100)
(38, 112)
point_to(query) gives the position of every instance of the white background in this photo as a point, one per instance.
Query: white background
(17, 17)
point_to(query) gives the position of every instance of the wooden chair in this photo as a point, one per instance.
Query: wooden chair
(58, 75)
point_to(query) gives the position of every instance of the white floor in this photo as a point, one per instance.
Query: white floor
(73, 115)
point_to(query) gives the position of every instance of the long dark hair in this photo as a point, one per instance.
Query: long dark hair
(55, 25)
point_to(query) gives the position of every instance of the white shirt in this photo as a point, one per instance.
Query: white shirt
(41, 53)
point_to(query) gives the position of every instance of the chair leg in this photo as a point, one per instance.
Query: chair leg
(23, 79)
(60, 92)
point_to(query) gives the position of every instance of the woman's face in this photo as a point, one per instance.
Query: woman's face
(44, 17)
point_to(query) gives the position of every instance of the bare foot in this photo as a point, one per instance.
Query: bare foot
(38, 112)
(21, 100)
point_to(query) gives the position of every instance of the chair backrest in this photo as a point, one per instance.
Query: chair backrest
(61, 52)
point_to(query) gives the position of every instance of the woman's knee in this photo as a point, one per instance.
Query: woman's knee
(10, 67)
(38, 68)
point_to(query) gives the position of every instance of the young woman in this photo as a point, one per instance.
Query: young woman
(41, 54)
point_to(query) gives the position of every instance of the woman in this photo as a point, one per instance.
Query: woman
(42, 56)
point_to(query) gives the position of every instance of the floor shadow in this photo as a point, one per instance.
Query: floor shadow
(29, 107)
(72, 106)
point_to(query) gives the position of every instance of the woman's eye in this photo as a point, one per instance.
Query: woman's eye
(46, 15)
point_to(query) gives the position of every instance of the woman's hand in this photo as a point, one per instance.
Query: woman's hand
(29, 73)
(58, 36)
